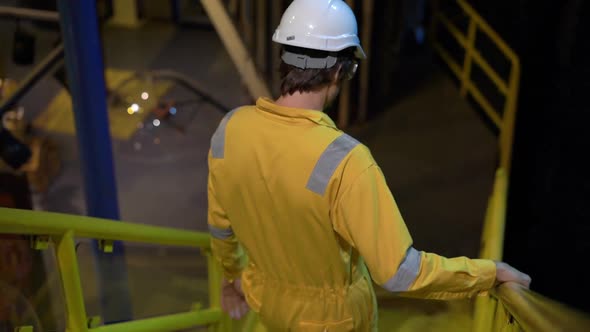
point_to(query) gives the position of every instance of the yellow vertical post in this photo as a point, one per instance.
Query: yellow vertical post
(492, 248)
(483, 314)
(501, 194)
(466, 78)
(72, 287)
(214, 281)
(235, 47)
(507, 130)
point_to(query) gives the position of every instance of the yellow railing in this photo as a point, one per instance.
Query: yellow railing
(504, 118)
(512, 308)
(509, 308)
(492, 239)
(534, 312)
(489, 315)
(61, 230)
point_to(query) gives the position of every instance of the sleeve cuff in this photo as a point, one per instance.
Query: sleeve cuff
(488, 275)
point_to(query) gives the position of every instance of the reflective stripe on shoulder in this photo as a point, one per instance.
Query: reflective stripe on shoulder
(406, 273)
(218, 139)
(329, 161)
(221, 233)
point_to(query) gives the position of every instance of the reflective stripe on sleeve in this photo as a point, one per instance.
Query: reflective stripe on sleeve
(221, 233)
(329, 161)
(407, 272)
(218, 139)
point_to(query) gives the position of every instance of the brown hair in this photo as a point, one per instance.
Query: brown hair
(294, 79)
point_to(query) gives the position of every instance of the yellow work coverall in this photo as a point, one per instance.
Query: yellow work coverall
(298, 210)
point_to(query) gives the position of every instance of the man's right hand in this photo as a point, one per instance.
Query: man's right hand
(506, 273)
(232, 299)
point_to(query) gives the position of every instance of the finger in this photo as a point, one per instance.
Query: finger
(235, 302)
(526, 280)
(235, 314)
(230, 308)
(227, 306)
(245, 308)
(227, 299)
(240, 310)
(229, 303)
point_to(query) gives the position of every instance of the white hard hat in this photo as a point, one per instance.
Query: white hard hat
(324, 25)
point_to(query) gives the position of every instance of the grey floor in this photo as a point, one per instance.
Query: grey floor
(437, 156)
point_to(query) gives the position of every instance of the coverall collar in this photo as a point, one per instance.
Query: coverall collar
(321, 118)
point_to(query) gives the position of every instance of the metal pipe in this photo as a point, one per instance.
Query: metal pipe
(16, 221)
(70, 278)
(534, 312)
(238, 52)
(166, 323)
(85, 71)
(48, 63)
(26, 13)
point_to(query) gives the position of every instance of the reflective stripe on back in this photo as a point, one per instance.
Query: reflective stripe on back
(220, 233)
(329, 161)
(218, 139)
(406, 273)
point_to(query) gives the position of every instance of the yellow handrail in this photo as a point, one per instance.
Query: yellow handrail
(488, 314)
(511, 308)
(534, 312)
(62, 229)
(492, 240)
(47, 223)
(165, 323)
(503, 119)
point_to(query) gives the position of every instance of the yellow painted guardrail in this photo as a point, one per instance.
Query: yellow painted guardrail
(489, 315)
(510, 307)
(61, 230)
(534, 312)
(504, 118)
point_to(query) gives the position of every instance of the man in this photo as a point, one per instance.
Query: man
(299, 210)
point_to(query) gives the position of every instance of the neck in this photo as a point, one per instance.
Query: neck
(315, 100)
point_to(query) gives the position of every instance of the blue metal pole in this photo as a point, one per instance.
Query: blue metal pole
(85, 71)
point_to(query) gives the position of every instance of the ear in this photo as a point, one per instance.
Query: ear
(337, 74)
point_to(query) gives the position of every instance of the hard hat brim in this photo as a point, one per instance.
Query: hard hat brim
(322, 44)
